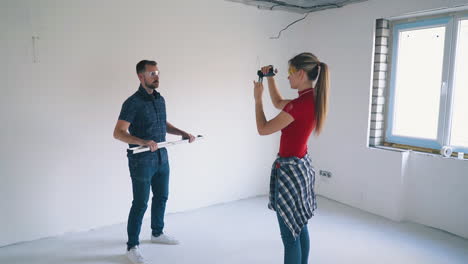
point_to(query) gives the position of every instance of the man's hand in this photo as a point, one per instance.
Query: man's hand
(151, 144)
(188, 136)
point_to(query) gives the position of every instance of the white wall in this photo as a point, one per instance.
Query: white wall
(392, 184)
(60, 168)
(436, 193)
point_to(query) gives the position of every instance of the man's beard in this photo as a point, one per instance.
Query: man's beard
(151, 85)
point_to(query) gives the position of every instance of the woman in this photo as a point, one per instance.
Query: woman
(292, 177)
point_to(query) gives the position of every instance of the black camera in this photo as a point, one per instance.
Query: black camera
(260, 74)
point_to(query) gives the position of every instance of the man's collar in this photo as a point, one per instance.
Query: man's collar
(142, 91)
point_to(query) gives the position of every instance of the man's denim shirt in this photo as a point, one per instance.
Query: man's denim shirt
(146, 114)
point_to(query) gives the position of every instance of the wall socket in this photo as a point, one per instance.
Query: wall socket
(325, 173)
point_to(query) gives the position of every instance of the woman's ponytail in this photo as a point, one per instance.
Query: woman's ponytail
(321, 97)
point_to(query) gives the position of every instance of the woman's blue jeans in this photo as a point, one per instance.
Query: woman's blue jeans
(295, 251)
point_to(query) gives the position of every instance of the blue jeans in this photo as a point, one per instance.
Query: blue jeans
(295, 251)
(146, 175)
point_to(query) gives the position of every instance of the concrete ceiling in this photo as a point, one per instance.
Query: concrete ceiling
(297, 6)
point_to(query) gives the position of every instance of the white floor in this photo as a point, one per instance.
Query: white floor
(246, 232)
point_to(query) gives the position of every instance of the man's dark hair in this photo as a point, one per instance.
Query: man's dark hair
(141, 66)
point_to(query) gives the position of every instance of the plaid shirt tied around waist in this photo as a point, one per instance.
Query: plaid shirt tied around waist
(292, 191)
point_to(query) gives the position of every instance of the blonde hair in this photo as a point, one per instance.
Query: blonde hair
(314, 68)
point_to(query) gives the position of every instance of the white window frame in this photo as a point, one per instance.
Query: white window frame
(451, 22)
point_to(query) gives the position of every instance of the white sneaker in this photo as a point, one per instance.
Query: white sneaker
(164, 239)
(134, 255)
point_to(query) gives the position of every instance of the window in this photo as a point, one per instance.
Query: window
(428, 88)
(459, 129)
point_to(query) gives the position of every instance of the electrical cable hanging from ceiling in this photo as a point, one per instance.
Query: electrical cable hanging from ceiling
(309, 8)
(279, 33)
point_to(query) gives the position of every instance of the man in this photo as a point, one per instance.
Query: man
(142, 121)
